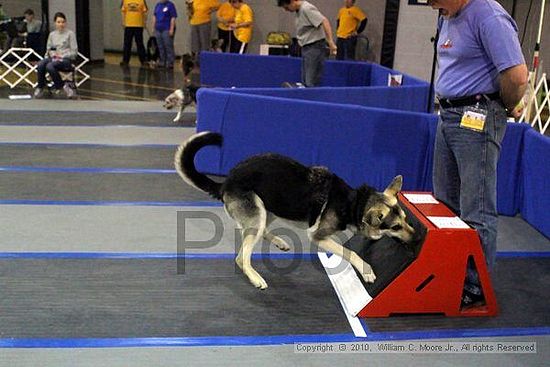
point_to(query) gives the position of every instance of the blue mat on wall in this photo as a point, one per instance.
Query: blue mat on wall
(357, 143)
(405, 98)
(233, 70)
(535, 199)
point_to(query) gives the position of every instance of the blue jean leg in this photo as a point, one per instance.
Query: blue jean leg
(465, 164)
(166, 48)
(313, 60)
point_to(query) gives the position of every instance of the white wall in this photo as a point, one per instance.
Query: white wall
(417, 25)
(96, 30)
(66, 7)
(413, 48)
(15, 8)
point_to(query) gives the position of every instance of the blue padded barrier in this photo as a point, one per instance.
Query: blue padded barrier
(233, 70)
(346, 74)
(359, 144)
(407, 98)
(379, 77)
(535, 199)
(509, 169)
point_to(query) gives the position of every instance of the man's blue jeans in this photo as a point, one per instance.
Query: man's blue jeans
(464, 175)
(166, 48)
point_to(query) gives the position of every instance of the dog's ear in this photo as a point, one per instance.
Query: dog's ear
(394, 187)
(373, 217)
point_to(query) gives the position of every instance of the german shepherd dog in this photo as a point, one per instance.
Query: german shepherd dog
(266, 186)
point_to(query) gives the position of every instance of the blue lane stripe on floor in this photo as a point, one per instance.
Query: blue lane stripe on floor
(88, 170)
(112, 203)
(138, 255)
(265, 340)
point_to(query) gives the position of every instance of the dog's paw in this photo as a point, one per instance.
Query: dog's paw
(258, 282)
(281, 244)
(369, 276)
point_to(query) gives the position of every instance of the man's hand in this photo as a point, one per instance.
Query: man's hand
(333, 48)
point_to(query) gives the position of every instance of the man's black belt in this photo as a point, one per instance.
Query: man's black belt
(314, 42)
(468, 101)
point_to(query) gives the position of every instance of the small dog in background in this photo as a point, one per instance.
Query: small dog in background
(181, 98)
(216, 45)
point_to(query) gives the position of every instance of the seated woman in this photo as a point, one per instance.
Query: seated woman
(62, 49)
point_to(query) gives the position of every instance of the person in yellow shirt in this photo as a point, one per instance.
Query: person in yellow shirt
(226, 16)
(134, 16)
(351, 21)
(200, 24)
(241, 27)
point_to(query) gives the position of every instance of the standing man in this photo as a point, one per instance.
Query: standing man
(351, 21)
(164, 24)
(313, 32)
(241, 27)
(134, 16)
(482, 76)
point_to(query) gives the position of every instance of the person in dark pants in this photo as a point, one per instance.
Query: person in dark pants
(351, 22)
(313, 31)
(481, 76)
(134, 15)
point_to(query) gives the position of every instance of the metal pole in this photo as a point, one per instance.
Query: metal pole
(434, 64)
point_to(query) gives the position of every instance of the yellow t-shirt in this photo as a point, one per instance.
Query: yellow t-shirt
(202, 10)
(349, 19)
(134, 13)
(227, 12)
(244, 14)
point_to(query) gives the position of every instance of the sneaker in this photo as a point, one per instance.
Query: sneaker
(38, 93)
(69, 92)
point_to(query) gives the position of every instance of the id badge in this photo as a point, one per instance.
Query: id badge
(473, 119)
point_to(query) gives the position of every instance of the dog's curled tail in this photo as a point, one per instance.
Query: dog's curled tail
(184, 161)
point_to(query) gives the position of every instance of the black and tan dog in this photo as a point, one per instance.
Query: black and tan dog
(267, 186)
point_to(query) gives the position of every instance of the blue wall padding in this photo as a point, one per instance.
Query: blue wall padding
(407, 98)
(359, 144)
(233, 70)
(509, 169)
(535, 199)
(346, 74)
(379, 77)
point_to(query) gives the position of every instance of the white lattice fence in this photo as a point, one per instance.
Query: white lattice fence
(534, 108)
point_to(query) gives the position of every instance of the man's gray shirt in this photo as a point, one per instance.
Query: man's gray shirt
(308, 24)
